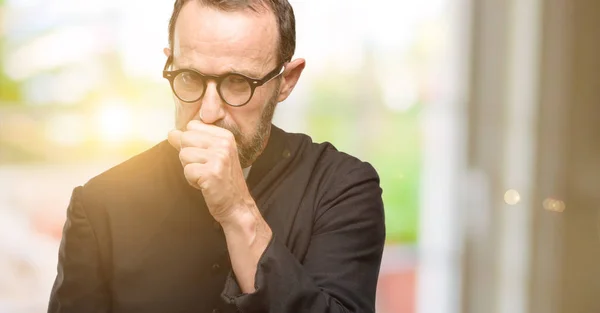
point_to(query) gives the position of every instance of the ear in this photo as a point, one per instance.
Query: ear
(291, 74)
(167, 52)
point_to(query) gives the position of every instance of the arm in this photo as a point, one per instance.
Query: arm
(247, 238)
(341, 267)
(79, 284)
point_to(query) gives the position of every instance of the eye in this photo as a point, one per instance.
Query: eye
(190, 79)
(236, 79)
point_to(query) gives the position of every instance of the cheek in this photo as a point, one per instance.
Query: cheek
(185, 112)
(248, 116)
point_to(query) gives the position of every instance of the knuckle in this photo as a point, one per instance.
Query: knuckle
(216, 169)
(226, 143)
(186, 155)
(185, 139)
(183, 157)
(203, 184)
(192, 170)
(192, 124)
(221, 157)
(229, 136)
(188, 170)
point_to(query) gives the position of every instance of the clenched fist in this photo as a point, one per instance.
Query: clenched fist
(211, 164)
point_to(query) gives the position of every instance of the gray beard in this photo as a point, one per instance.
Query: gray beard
(250, 148)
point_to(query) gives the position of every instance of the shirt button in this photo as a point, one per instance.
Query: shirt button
(216, 267)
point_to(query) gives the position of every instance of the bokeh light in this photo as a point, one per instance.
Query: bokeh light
(512, 197)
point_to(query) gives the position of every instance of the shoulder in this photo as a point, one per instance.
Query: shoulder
(329, 165)
(137, 171)
(330, 159)
(345, 189)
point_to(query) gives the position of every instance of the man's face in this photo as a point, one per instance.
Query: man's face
(214, 42)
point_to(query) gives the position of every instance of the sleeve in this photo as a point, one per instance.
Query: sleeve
(341, 268)
(79, 285)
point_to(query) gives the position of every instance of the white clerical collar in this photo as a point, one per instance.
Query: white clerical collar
(246, 172)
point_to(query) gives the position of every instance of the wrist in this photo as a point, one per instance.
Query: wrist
(246, 223)
(240, 221)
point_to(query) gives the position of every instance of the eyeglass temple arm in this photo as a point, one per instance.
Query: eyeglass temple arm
(166, 74)
(275, 74)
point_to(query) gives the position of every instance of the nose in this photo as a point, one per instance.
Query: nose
(212, 107)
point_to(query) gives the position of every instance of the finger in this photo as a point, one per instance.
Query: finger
(197, 139)
(219, 137)
(194, 174)
(208, 128)
(174, 138)
(189, 155)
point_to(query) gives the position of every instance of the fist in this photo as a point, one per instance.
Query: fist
(211, 164)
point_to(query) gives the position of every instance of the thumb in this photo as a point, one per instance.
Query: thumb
(174, 138)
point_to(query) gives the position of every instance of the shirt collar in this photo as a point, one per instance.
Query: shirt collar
(246, 172)
(270, 156)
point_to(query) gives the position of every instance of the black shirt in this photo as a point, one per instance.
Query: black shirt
(139, 238)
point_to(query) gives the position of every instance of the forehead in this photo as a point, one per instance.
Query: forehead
(214, 41)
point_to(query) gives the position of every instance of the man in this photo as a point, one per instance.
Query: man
(231, 214)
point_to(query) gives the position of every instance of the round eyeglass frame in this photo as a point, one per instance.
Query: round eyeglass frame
(253, 82)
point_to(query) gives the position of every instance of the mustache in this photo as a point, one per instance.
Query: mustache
(237, 134)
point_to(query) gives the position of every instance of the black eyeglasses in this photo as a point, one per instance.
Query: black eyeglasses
(235, 89)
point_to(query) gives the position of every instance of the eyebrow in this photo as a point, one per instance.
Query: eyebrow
(248, 73)
(232, 69)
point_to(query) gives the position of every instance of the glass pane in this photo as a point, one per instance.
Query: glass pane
(188, 86)
(235, 89)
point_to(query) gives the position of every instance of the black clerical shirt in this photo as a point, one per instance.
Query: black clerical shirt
(139, 238)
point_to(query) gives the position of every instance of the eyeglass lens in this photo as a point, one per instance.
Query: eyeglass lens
(234, 89)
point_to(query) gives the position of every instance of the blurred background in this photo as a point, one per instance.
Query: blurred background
(482, 118)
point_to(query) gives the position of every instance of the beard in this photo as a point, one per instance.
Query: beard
(250, 146)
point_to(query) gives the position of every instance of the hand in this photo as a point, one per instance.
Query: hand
(211, 164)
